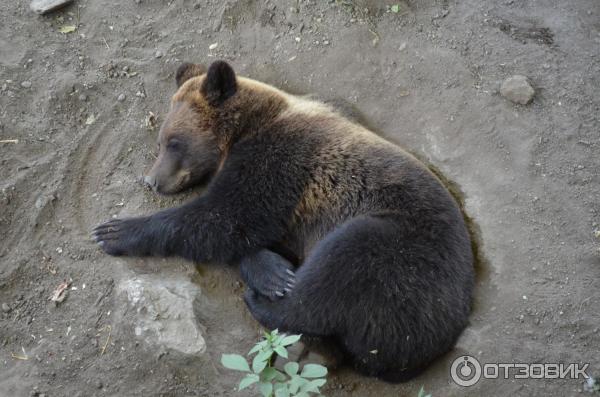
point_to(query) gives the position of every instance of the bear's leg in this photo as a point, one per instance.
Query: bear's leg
(268, 274)
(373, 284)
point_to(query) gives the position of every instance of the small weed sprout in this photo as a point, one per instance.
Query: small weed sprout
(422, 393)
(272, 382)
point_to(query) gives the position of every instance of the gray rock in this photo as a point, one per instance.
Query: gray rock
(26, 84)
(162, 312)
(5, 307)
(45, 6)
(159, 54)
(517, 89)
(121, 98)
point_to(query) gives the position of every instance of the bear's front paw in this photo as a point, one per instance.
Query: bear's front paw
(269, 274)
(122, 236)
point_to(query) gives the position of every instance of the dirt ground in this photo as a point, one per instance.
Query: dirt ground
(426, 77)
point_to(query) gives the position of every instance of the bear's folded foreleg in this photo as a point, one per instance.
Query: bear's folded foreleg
(268, 274)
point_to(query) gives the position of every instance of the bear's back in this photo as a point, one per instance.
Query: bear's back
(354, 172)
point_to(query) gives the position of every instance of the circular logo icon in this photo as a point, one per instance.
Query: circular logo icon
(465, 371)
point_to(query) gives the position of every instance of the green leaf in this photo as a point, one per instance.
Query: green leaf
(313, 371)
(265, 388)
(67, 29)
(296, 382)
(290, 340)
(281, 351)
(395, 8)
(313, 386)
(259, 346)
(281, 390)
(422, 393)
(269, 374)
(278, 339)
(259, 363)
(281, 377)
(235, 362)
(248, 380)
(264, 355)
(291, 368)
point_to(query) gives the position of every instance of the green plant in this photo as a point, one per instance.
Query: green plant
(422, 393)
(272, 382)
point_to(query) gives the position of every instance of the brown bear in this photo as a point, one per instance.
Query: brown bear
(340, 235)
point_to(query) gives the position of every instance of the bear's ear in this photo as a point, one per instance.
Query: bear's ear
(188, 70)
(220, 83)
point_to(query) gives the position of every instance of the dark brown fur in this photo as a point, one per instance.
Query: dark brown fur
(340, 235)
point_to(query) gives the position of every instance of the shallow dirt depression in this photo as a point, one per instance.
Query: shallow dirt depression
(426, 77)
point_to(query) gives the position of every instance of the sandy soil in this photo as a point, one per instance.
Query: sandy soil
(426, 77)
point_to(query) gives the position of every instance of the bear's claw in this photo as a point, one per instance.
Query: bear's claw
(121, 236)
(268, 274)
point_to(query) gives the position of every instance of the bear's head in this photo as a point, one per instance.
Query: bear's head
(210, 109)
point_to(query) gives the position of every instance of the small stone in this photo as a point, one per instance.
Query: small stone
(121, 98)
(99, 384)
(5, 307)
(83, 97)
(159, 54)
(213, 46)
(40, 202)
(517, 89)
(26, 84)
(45, 6)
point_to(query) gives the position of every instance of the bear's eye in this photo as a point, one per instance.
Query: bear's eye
(174, 144)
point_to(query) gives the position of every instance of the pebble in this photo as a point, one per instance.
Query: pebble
(5, 307)
(45, 6)
(83, 97)
(26, 84)
(158, 54)
(121, 97)
(517, 89)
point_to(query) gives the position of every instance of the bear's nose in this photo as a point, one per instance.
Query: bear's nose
(150, 181)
